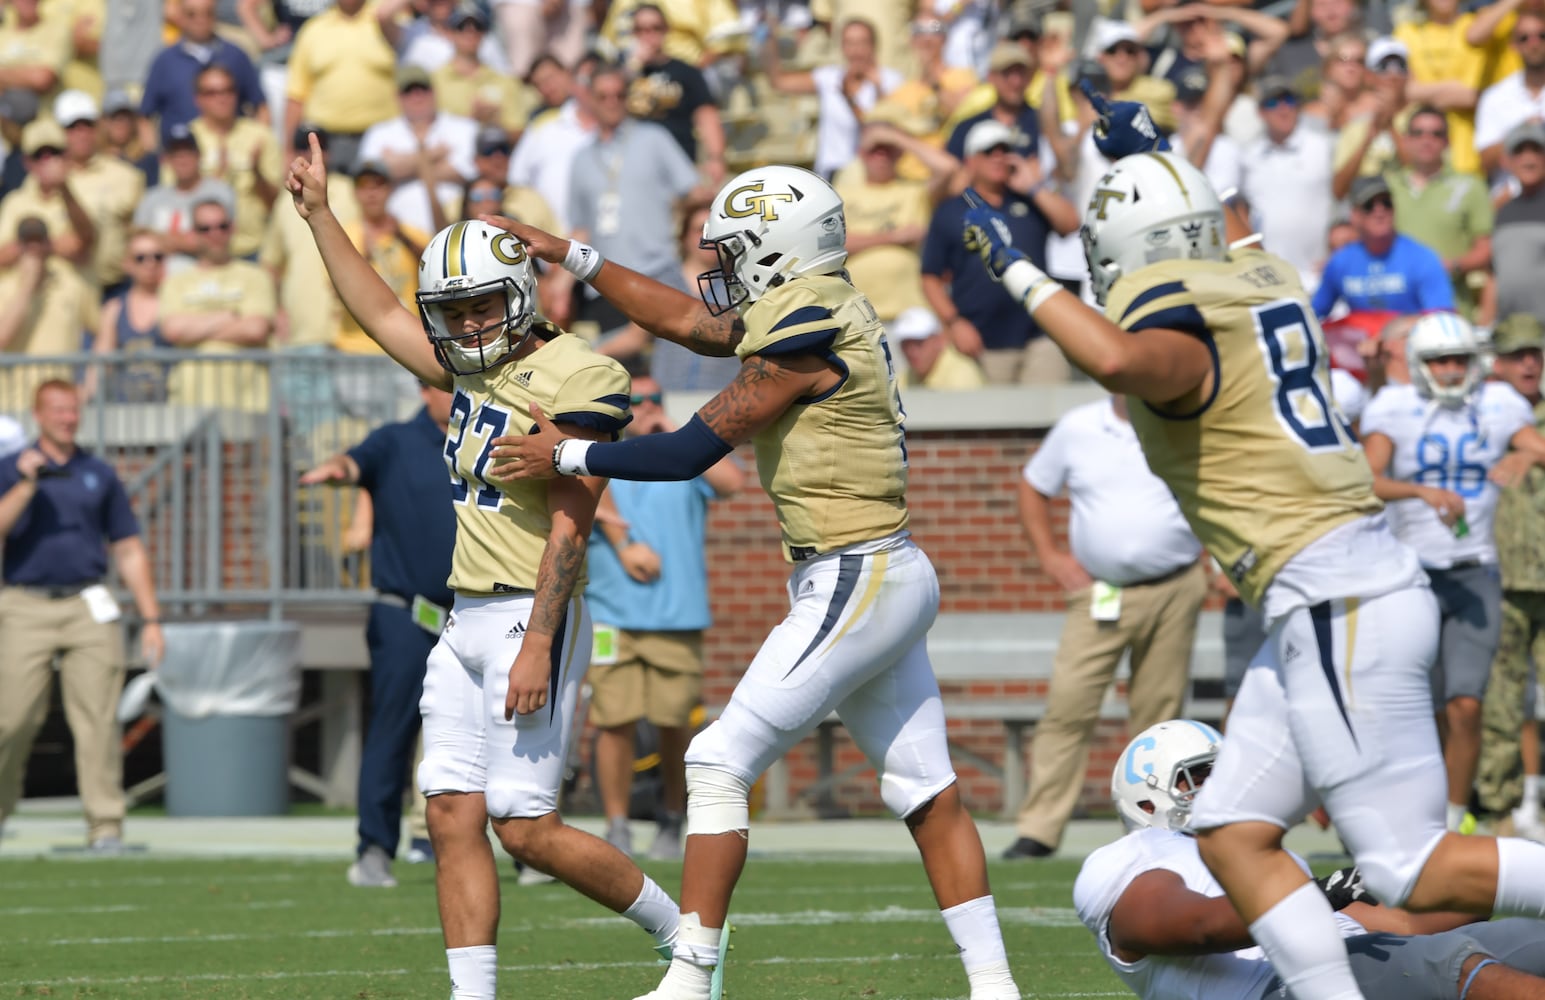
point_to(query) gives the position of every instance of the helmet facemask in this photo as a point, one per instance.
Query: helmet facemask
(473, 352)
(721, 289)
(1172, 802)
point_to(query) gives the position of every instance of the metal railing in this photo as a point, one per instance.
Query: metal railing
(210, 447)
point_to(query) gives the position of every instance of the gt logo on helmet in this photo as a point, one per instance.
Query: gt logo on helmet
(1103, 197)
(507, 249)
(754, 203)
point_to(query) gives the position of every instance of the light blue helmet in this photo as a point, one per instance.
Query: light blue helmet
(1158, 774)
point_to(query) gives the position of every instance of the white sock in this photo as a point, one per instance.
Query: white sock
(656, 913)
(1300, 937)
(1455, 816)
(474, 972)
(1532, 792)
(974, 926)
(1520, 878)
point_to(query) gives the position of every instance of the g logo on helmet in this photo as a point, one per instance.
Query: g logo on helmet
(512, 253)
(754, 203)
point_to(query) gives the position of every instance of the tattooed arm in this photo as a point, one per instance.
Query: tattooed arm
(572, 504)
(763, 389)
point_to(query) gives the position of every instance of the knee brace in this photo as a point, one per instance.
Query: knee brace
(717, 801)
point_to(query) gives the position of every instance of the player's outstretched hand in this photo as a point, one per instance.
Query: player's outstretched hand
(528, 456)
(308, 180)
(1124, 127)
(987, 234)
(539, 244)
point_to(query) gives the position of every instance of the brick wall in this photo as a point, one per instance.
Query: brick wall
(964, 515)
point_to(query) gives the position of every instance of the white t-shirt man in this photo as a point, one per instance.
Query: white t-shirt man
(544, 159)
(1452, 449)
(1126, 526)
(1288, 188)
(409, 201)
(1503, 106)
(836, 136)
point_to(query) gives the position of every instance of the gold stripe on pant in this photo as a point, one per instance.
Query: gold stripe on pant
(1158, 626)
(33, 630)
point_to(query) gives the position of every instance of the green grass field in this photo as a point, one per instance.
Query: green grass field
(222, 930)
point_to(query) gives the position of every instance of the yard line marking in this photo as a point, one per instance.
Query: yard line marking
(245, 904)
(1013, 915)
(225, 977)
(151, 881)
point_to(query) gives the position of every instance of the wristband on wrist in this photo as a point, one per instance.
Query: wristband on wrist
(1029, 284)
(150, 621)
(582, 260)
(569, 457)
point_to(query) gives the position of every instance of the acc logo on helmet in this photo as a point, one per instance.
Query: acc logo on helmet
(755, 203)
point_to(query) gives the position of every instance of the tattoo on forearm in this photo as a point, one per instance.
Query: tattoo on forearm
(716, 336)
(562, 561)
(736, 413)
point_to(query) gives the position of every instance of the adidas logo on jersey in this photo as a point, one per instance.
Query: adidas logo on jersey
(523, 378)
(518, 630)
(1290, 653)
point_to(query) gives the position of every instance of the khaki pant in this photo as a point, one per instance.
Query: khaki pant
(1499, 772)
(1158, 627)
(1040, 362)
(33, 630)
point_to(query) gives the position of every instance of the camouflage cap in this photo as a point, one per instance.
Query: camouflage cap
(1518, 332)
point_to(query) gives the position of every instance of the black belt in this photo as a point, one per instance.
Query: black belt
(1163, 578)
(802, 553)
(56, 593)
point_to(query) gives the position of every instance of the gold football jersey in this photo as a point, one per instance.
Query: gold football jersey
(835, 465)
(502, 528)
(1264, 463)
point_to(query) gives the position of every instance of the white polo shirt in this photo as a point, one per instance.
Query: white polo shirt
(409, 202)
(1126, 526)
(1288, 187)
(544, 158)
(1503, 106)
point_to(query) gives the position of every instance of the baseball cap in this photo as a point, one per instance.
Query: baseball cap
(1109, 34)
(491, 140)
(374, 167)
(466, 13)
(1023, 23)
(988, 133)
(916, 323)
(1365, 189)
(1274, 87)
(117, 100)
(18, 105)
(73, 106)
(1386, 48)
(409, 75)
(1005, 55)
(1517, 332)
(180, 136)
(1191, 85)
(299, 140)
(41, 133)
(1528, 133)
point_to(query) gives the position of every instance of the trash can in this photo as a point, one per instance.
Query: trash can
(227, 690)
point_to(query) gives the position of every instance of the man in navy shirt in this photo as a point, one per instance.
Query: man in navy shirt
(169, 85)
(1383, 271)
(402, 467)
(1009, 69)
(979, 317)
(63, 511)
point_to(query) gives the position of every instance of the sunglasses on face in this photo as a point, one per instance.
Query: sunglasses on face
(1382, 201)
(215, 91)
(1001, 149)
(1278, 101)
(1428, 133)
(142, 258)
(217, 227)
(486, 194)
(648, 397)
(1122, 49)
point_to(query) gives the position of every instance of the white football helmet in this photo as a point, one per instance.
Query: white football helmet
(768, 225)
(1148, 208)
(467, 260)
(1439, 335)
(1151, 768)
